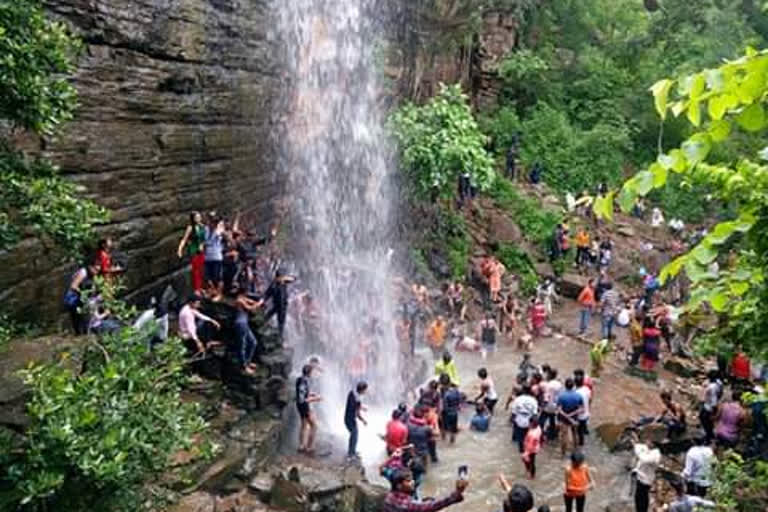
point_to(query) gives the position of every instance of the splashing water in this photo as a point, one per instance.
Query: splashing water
(338, 161)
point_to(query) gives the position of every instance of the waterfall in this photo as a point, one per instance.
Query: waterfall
(337, 159)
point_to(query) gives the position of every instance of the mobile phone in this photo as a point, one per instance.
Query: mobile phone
(463, 472)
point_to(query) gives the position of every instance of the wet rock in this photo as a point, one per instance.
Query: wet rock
(626, 230)
(371, 497)
(611, 435)
(278, 362)
(287, 495)
(261, 486)
(683, 367)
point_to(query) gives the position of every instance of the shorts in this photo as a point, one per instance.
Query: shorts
(489, 348)
(303, 410)
(214, 271)
(451, 422)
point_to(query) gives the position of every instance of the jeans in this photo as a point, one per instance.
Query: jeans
(642, 498)
(707, 423)
(584, 324)
(580, 502)
(247, 345)
(583, 430)
(607, 326)
(549, 425)
(352, 447)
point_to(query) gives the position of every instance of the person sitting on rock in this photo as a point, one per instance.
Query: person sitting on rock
(673, 416)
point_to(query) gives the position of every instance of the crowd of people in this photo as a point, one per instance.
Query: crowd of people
(243, 269)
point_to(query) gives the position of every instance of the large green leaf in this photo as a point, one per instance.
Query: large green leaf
(660, 91)
(627, 198)
(697, 148)
(719, 130)
(603, 206)
(659, 175)
(719, 300)
(716, 107)
(644, 181)
(672, 269)
(721, 233)
(752, 118)
(704, 253)
(694, 112)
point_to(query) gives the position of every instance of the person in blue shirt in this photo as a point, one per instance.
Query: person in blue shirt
(570, 404)
(481, 421)
(450, 410)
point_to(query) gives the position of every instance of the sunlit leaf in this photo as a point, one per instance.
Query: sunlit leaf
(660, 91)
(752, 118)
(719, 130)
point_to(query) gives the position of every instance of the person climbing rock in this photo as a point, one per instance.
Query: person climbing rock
(278, 294)
(193, 242)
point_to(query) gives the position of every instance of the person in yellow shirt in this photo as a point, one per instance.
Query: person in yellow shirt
(447, 366)
(436, 336)
(582, 246)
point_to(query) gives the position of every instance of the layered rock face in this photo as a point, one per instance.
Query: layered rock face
(175, 115)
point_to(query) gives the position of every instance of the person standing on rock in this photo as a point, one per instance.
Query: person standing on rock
(304, 398)
(352, 413)
(487, 334)
(579, 379)
(497, 270)
(697, 472)
(582, 247)
(648, 458)
(712, 393)
(609, 304)
(278, 292)
(189, 316)
(193, 242)
(248, 342)
(586, 300)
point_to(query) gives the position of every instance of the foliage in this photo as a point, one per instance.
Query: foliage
(577, 85)
(536, 223)
(11, 328)
(517, 262)
(101, 427)
(439, 141)
(740, 485)
(717, 102)
(36, 200)
(35, 57)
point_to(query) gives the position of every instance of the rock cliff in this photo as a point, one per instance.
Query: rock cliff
(175, 115)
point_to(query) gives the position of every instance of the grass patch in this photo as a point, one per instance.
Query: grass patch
(536, 223)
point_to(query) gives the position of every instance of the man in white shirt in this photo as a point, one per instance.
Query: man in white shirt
(712, 393)
(188, 317)
(524, 407)
(648, 459)
(586, 395)
(697, 472)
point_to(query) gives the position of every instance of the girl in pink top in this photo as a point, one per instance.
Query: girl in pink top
(531, 446)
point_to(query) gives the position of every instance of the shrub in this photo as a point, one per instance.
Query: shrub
(517, 262)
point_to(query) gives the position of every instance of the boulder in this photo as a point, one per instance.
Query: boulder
(571, 284)
(288, 496)
(503, 229)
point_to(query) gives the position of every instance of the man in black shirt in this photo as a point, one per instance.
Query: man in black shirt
(304, 397)
(278, 292)
(352, 413)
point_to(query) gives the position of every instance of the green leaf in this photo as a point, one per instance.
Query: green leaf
(694, 112)
(721, 233)
(696, 148)
(745, 222)
(719, 130)
(627, 198)
(719, 301)
(695, 271)
(752, 118)
(680, 164)
(698, 83)
(704, 253)
(659, 175)
(678, 107)
(660, 91)
(716, 107)
(738, 288)
(672, 269)
(752, 87)
(644, 182)
(603, 206)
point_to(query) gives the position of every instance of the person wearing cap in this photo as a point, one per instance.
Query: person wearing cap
(447, 366)
(401, 499)
(189, 316)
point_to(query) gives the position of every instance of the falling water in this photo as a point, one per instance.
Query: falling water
(337, 159)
